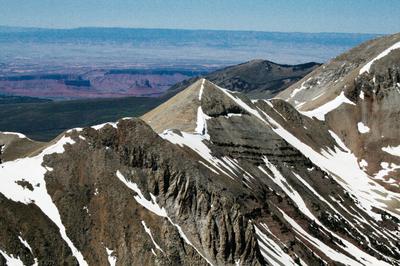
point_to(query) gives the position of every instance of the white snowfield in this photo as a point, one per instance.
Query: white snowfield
(30, 169)
(321, 111)
(367, 67)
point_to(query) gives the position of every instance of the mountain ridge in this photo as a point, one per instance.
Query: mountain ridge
(209, 177)
(256, 78)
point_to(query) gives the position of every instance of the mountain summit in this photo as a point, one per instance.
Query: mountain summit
(213, 178)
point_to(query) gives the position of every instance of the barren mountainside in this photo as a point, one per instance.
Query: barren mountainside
(256, 78)
(211, 177)
(358, 96)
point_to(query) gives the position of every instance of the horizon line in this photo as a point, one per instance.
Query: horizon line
(186, 29)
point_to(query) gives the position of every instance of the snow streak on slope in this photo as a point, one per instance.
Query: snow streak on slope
(30, 169)
(295, 91)
(270, 250)
(151, 205)
(298, 200)
(25, 243)
(148, 231)
(367, 67)
(201, 89)
(369, 193)
(196, 143)
(201, 127)
(321, 111)
(328, 251)
(201, 124)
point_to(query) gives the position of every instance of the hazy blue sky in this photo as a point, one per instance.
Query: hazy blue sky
(367, 16)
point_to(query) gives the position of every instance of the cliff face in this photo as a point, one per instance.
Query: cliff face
(209, 177)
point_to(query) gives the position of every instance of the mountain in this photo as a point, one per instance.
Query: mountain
(357, 95)
(256, 78)
(210, 177)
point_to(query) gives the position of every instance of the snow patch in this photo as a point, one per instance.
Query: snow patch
(10, 260)
(100, 126)
(386, 169)
(362, 95)
(395, 151)
(77, 129)
(233, 114)
(112, 260)
(363, 164)
(297, 90)
(321, 111)
(362, 128)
